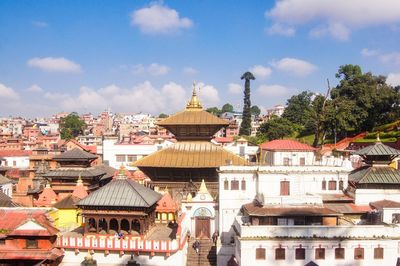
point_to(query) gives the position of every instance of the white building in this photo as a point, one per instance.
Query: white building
(6, 186)
(15, 158)
(117, 153)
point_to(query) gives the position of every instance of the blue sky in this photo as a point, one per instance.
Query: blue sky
(143, 56)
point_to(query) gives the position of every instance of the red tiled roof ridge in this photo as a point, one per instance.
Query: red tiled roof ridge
(286, 144)
(15, 153)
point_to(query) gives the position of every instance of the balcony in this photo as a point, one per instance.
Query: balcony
(315, 231)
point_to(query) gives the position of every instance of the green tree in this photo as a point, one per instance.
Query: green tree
(245, 127)
(276, 128)
(214, 110)
(71, 126)
(298, 108)
(227, 108)
(255, 110)
(162, 115)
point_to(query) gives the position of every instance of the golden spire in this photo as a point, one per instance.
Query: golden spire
(194, 103)
(121, 172)
(203, 189)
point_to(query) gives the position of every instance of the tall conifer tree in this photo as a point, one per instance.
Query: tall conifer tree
(245, 128)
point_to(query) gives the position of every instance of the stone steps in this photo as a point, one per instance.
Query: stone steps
(207, 254)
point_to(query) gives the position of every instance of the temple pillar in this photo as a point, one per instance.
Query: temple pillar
(108, 224)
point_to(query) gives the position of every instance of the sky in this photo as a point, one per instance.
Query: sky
(140, 56)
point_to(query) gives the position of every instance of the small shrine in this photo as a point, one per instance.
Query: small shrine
(167, 209)
(202, 210)
(121, 206)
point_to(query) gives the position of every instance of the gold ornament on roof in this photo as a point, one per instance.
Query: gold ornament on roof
(194, 103)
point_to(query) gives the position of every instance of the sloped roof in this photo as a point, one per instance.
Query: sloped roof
(69, 202)
(166, 204)
(380, 204)
(11, 219)
(47, 197)
(286, 210)
(75, 172)
(121, 193)
(375, 175)
(378, 149)
(191, 154)
(4, 180)
(193, 117)
(286, 145)
(15, 153)
(75, 154)
(348, 208)
(6, 201)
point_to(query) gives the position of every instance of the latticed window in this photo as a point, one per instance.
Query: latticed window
(300, 253)
(260, 253)
(132, 158)
(339, 253)
(31, 243)
(378, 253)
(359, 253)
(332, 185)
(235, 185)
(319, 253)
(280, 254)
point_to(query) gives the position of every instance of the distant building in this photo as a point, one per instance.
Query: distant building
(277, 110)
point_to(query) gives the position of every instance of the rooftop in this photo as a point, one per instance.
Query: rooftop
(375, 175)
(286, 145)
(75, 154)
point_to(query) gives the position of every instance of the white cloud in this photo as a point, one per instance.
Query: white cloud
(39, 24)
(335, 17)
(281, 29)
(294, 66)
(34, 88)
(55, 96)
(190, 71)
(337, 30)
(55, 64)
(157, 18)
(7, 93)
(390, 58)
(393, 79)
(261, 72)
(368, 52)
(208, 95)
(273, 90)
(235, 88)
(155, 69)
(138, 69)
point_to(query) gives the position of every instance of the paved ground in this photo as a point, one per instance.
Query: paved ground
(162, 232)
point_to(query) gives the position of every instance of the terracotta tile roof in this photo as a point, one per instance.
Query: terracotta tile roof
(385, 204)
(11, 219)
(287, 210)
(35, 254)
(223, 139)
(15, 153)
(286, 145)
(166, 204)
(79, 191)
(191, 154)
(69, 202)
(75, 154)
(47, 198)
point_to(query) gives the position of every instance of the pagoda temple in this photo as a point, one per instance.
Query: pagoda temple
(375, 175)
(182, 166)
(73, 164)
(121, 205)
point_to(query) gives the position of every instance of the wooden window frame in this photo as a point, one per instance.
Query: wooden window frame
(283, 192)
(260, 253)
(341, 185)
(320, 253)
(226, 184)
(359, 253)
(340, 253)
(119, 156)
(378, 253)
(234, 184)
(300, 254)
(243, 184)
(302, 161)
(323, 184)
(332, 185)
(31, 243)
(280, 254)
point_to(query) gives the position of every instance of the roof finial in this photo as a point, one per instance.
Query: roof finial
(121, 172)
(194, 103)
(79, 182)
(378, 139)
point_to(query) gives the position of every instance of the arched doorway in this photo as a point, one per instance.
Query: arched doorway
(202, 222)
(103, 228)
(114, 226)
(125, 225)
(135, 227)
(92, 225)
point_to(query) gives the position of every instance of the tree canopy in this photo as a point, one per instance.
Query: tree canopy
(71, 126)
(255, 110)
(276, 128)
(227, 108)
(162, 115)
